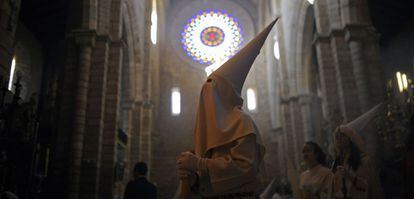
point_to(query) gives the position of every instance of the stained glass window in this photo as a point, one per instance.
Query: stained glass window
(211, 36)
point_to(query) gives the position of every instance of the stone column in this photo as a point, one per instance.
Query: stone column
(354, 36)
(311, 110)
(149, 72)
(327, 73)
(145, 149)
(348, 93)
(111, 119)
(288, 130)
(305, 102)
(95, 118)
(135, 135)
(128, 108)
(85, 40)
(297, 127)
(375, 72)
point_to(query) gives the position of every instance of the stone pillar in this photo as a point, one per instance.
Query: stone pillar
(354, 36)
(135, 135)
(311, 108)
(127, 125)
(95, 117)
(305, 102)
(60, 154)
(149, 72)
(375, 72)
(288, 130)
(145, 149)
(85, 40)
(111, 118)
(297, 127)
(327, 73)
(348, 93)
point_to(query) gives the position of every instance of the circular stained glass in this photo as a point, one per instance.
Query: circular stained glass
(211, 36)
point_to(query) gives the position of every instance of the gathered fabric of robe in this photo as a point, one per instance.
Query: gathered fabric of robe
(364, 183)
(228, 138)
(316, 183)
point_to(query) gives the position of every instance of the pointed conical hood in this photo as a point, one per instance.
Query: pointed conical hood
(357, 127)
(235, 69)
(359, 124)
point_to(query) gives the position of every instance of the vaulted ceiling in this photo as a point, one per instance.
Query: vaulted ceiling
(45, 18)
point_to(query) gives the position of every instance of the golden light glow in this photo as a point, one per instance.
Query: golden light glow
(404, 81)
(399, 81)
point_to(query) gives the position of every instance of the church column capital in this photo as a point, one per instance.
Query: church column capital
(84, 37)
(321, 38)
(104, 38)
(128, 104)
(118, 43)
(354, 32)
(306, 99)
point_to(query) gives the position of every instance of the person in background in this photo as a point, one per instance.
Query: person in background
(355, 174)
(140, 188)
(316, 181)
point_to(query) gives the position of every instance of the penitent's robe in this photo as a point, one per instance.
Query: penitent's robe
(232, 168)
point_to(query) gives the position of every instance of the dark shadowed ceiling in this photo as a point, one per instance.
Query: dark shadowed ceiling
(390, 17)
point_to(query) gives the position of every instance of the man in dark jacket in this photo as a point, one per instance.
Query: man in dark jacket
(140, 188)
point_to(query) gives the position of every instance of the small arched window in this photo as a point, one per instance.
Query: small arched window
(11, 77)
(175, 101)
(251, 99)
(276, 51)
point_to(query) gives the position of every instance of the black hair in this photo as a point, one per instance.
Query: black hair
(141, 168)
(317, 150)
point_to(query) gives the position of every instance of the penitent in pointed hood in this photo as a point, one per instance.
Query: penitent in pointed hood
(354, 129)
(220, 118)
(235, 69)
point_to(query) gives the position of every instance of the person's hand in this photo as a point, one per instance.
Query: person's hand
(188, 161)
(184, 174)
(343, 172)
(340, 171)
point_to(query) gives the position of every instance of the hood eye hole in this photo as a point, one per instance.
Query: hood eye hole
(209, 80)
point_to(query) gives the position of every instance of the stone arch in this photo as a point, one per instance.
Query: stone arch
(128, 68)
(28, 56)
(304, 48)
(306, 79)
